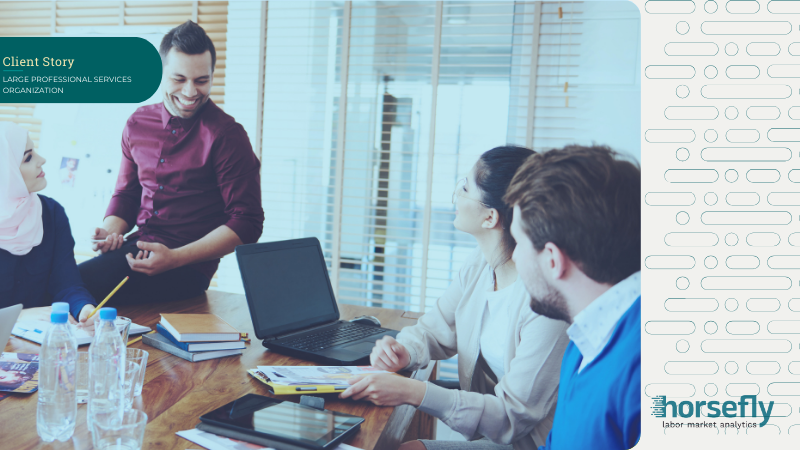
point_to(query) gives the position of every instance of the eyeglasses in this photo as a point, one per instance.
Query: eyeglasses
(460, 191)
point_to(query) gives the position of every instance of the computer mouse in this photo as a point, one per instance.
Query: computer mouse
(367, 320)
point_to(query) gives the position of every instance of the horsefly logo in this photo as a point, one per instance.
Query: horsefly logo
(748, 406)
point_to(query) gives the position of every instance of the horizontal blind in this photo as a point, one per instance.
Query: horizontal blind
(22, 115)
(301, 93)
(26, 18)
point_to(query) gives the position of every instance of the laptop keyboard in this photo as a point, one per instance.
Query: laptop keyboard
(342, 334)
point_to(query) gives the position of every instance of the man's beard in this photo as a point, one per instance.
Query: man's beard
(551, 305)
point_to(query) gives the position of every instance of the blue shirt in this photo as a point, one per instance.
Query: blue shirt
(599, 407)
(48, 273)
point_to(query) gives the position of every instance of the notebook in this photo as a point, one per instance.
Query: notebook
(162, 343)
(200, 346)
(198, 328)
(33, 330)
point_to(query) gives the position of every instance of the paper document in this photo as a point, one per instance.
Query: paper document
(215, 442)
(33, 330)
(316, 375)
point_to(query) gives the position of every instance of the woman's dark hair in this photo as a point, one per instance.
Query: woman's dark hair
(493, 174)
(189, 38)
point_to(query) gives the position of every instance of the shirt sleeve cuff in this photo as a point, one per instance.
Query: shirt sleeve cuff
(438, 401)
(76, 307)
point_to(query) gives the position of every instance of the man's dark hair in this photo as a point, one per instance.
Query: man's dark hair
(189, 38)
(586, 201)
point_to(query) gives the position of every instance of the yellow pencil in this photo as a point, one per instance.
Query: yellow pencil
(107, 297)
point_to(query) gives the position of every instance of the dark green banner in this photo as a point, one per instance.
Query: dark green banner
(78, 70)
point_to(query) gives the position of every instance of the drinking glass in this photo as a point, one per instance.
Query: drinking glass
(129, 382)
(82, 377)
(124, 326)
(138, 356)
(109, 432)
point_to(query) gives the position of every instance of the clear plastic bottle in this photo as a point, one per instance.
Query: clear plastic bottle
(106, 362)
(57, 407)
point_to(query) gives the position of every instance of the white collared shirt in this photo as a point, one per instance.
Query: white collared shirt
(591, 328)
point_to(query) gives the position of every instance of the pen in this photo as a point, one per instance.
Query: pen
(107, 297)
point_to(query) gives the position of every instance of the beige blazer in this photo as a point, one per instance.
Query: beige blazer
(519, 408)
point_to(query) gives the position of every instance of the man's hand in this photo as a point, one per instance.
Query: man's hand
(83, 318)
(386, 389)
(389, 355)
(153, 259)
(112, 241)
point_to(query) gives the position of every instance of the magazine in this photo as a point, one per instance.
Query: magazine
(19, 372)
(304, 375)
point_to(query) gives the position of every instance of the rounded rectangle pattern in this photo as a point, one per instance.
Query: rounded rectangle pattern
(742, 262)
(763, 239)
(746, 27)
(794, 304)
(669, 262)
(669, 136)
(746, 91)
(691, 49)
(671, 390)
(669, 72)
(784, 262)
(746, 283)
(784, 198)
(676, 327)
(763, 367)
(691, 367)
(794, 176)
(794, 367)
(763, 112)
(742, 327)
(742, 6)
(736, 72)
(701, 239)
(784, 327)
(783, 7)
(784, 134)
(783, 389)
(763, 304)
(763, 49)
(742, 136)
(739, 389)
(746, 346)
(746, 154)
(794, 239)
(763, 175)
(691, 304)
(691, 112)
(794, 113)
(669, 198)
(669, 6)
(746, 218)
(784, 71)
(691, 175)
(742, 198)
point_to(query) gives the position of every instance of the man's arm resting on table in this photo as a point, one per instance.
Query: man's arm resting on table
(154, 258)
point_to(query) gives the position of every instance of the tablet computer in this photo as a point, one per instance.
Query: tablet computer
(283, 421)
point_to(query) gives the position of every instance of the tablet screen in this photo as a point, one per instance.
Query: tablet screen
(286, 420)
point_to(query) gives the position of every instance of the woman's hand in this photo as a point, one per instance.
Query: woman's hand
(83, 318)
(385, 389)
(389, 355)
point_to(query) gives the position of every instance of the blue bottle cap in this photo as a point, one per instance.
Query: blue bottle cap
(60, 307)
(108, 313)
(58, 317)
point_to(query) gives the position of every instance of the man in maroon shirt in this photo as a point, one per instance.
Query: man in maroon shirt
(189, 180)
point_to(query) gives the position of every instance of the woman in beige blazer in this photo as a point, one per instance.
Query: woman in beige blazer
(509, 357)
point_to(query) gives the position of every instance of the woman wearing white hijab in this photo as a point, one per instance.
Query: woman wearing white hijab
(37, 263)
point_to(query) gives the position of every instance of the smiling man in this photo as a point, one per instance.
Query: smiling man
(577, 223)
(189, 180)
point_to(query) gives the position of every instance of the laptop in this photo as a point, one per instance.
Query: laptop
(8, 317)
(293, 308)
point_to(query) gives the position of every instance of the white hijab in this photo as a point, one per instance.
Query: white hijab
(20, 211)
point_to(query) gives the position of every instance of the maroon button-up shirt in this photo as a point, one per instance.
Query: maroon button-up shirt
(182, 178)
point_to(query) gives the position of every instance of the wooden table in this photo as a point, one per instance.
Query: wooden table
(176, 392)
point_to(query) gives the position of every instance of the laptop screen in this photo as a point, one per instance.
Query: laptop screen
(287, 286)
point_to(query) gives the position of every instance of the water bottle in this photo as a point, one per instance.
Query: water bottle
(60, 307)
(106, 368)
(57, 407)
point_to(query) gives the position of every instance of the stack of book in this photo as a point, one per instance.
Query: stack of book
(195, 337)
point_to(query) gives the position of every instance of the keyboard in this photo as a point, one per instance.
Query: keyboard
(341, 334)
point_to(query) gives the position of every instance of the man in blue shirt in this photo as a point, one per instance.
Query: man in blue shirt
(577, 223)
